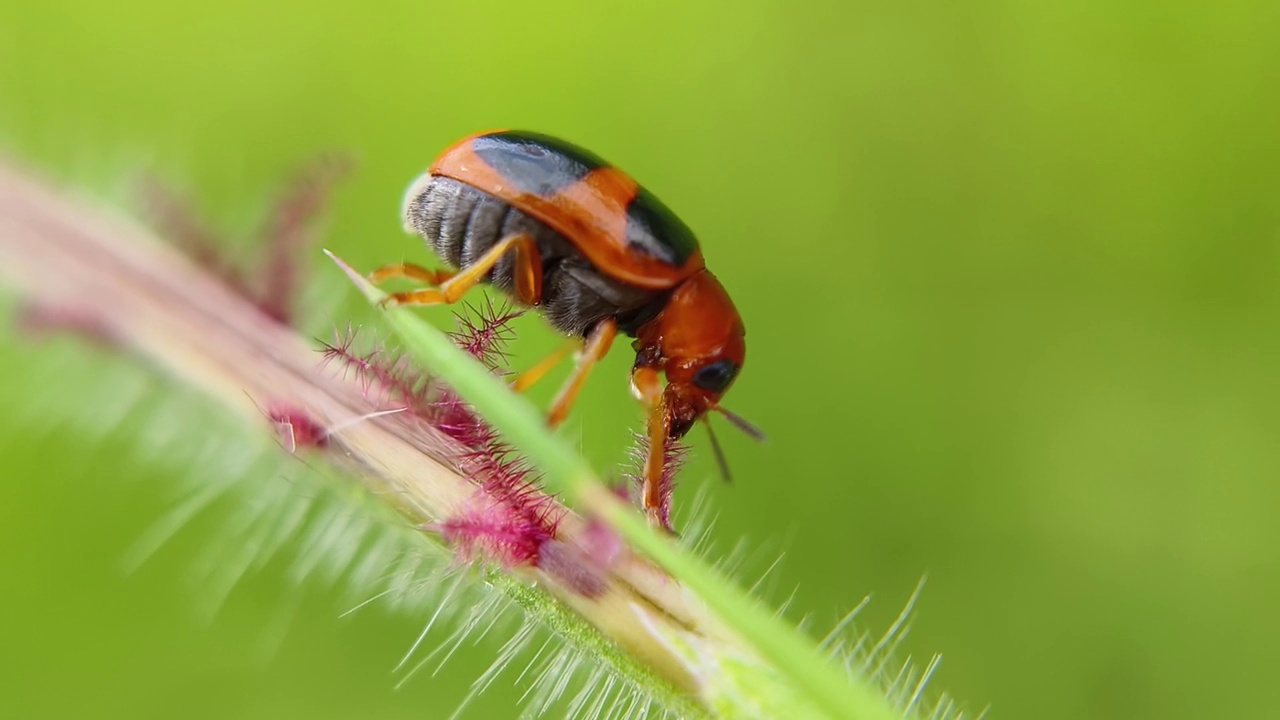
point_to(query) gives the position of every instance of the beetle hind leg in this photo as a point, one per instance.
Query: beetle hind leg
(528, 276)
(412, 272)
(531, 376)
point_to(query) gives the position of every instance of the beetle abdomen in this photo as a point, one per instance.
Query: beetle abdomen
(461, 223)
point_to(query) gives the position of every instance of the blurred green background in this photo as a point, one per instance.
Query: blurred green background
(1008, 270)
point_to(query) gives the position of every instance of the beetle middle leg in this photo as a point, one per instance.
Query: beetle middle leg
(528, 276)
(590, 352)
(530, 377)
(599, 340)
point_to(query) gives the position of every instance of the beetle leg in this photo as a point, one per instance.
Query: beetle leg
(597, 346)
(528, 275)
(529, 377)
(413, 272)
(647, 387)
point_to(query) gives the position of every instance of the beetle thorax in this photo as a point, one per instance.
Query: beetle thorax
(698, 322)
(698, 342)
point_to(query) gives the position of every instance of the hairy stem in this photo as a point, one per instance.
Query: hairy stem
(792, 654)
(60, 252)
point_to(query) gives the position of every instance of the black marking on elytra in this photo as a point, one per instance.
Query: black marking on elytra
(654, 230)
(538, 164)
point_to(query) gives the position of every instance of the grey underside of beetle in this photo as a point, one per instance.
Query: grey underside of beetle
(461, 223)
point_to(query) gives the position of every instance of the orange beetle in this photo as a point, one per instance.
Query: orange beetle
(565, 232)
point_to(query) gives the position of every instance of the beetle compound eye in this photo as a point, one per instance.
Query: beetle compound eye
(716, 377)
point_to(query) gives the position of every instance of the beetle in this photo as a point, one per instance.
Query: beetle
(565, 232)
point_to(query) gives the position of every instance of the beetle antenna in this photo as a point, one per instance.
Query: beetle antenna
(721, 460)
(739, 422)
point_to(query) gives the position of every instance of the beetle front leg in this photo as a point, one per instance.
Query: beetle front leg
(647, 387)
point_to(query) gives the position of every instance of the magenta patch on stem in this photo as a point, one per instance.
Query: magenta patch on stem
(511, 518)
(572, 568)
(600, 544)
(389, 380)
(287, 236)
(494, 530)
(485, 331)
(297, 429)
(175, 217)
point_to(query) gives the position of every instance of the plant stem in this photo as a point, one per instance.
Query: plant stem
(679, 630)
(60, 252)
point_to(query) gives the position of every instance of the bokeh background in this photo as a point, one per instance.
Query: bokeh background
(1009, 272)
